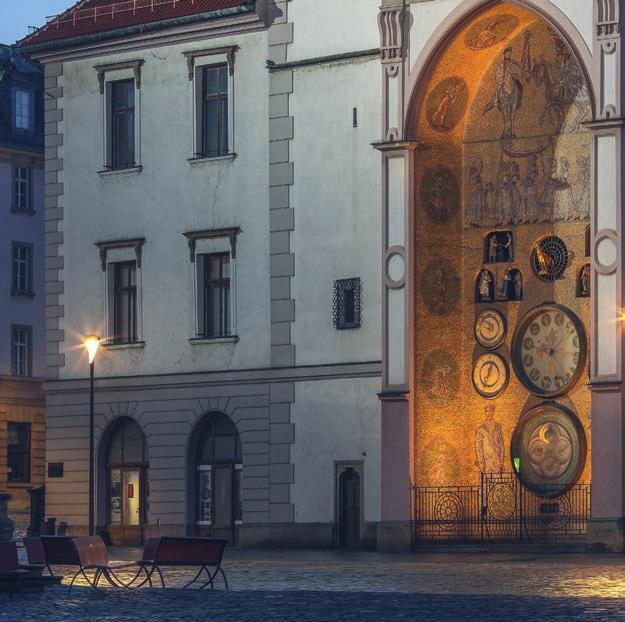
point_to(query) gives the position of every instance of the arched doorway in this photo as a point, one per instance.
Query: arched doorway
(215, 477)
(501, 207)
(126, 466)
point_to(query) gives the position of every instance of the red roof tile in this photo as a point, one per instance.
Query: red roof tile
(90, 17)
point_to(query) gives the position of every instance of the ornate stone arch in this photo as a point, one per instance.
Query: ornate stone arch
(419, 72)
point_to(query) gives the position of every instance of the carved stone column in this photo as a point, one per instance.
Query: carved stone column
(608, 302)
(394, 533)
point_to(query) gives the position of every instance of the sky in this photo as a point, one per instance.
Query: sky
(15, 17)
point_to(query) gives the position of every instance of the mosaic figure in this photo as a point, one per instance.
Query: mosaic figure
(563, 205)
(489, 448)
(582, 186)
(446, 104)
(518, 285)
(439, 463)
(530, 192)
(493, 247)
(503, 196)
(516, 215)
(508, 93)
(439, 378)
(490, 31)
(476, 203)
(439, 287)
(485, 286)
(507, 286)
(584, 281)
(440, 194)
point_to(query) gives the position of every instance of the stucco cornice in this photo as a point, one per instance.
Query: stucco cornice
(104, 247)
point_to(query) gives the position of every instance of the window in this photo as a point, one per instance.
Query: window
(21, 189)
(214, 298)
(347, 304)
(214, 111)
(122, 124)
(21, 347)
(18, 452)
(219, 472)
(23, 117)
(125, 302)
(22, 269)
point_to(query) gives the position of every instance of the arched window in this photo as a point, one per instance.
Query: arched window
(126, 467)
(219, 465)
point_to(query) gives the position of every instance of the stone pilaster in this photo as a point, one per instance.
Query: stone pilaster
(394, 533)
(608, 302)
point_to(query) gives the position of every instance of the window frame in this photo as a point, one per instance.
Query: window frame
(17, 90)
(24, 454)
(28, 369)
(209, 284)
(132, 305)
(27, 195)
(28, 290)
(127, 111)
(223, 104)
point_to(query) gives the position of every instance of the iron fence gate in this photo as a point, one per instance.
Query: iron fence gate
(501, 509)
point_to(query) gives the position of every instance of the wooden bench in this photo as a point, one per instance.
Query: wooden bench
(87, 553)
(202, 553)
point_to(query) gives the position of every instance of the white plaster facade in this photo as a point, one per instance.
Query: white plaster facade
(313, 205)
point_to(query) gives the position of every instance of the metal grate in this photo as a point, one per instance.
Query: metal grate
(500, 508)
(347, 303)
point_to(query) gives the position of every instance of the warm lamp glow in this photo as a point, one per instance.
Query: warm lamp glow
(92, 343)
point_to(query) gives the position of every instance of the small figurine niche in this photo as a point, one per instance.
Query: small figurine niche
(511, 285)
(587, 241)
(485, 286)
(583, 281)
(498, 247)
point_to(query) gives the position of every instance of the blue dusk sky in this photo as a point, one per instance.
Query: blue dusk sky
(15, 17)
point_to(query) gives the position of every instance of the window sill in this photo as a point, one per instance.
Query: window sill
(134, 170)
(18, 485)
(123, 346)
(26, 212)
(20, 294)
(197, 341)
(229, 157)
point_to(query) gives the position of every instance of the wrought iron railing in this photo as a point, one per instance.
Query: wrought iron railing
(500, 508)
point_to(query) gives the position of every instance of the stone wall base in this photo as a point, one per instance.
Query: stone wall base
(395, 537)
(606, 534)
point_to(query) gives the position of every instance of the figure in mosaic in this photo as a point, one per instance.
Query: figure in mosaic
(439, 118)
(475, 209)
(503, 196)
(515, 194)
(489, 449)
(518, 285)
(530, 192)
(490, 31)
(484, 286)
(439, 377)
(508, 93)
(493, 247)
(446, 104)
(584, 287)
(439, 287)
(564, 85)
(563, 205)
(582, 185)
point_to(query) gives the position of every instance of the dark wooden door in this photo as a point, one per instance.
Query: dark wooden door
(349, 508)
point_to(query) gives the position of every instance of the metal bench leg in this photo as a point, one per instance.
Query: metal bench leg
(72, 581)
(197, 576)
(223, 574)
(160, 574)
(210, 578)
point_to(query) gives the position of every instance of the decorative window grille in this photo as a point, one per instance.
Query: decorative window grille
(347, 304)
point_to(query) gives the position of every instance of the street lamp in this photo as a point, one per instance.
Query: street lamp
(92, 343)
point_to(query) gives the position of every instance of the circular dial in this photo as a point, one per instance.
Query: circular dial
(490, 375)
(549, 350)
(548, 449)
(490, 329)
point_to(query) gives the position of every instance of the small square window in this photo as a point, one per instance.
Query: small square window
(347, 304)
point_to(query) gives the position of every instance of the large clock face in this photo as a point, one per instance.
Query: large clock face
(549, 350)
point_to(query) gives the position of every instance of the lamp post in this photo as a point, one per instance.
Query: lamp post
(92, 343)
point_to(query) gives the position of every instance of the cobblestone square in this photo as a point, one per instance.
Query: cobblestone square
(271, 586)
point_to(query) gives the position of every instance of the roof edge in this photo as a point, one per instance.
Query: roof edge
(59, 44)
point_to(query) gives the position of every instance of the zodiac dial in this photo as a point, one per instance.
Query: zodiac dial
(548, 449)
(490, 329)
(549, 350)
(490, 375)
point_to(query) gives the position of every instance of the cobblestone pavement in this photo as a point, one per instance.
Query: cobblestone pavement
(271, 586)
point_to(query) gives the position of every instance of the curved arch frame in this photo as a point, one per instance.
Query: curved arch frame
(190, 465)
(420, 71)
(101, 450)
